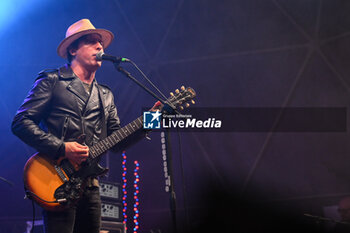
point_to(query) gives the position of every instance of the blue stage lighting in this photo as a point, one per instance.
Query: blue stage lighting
(13, 10)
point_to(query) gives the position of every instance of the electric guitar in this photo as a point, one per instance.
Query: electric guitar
(58, 184)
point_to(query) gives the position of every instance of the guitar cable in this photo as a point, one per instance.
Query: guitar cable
(33, 222)
(29, 193)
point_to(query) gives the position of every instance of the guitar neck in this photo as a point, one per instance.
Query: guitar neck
(102, 146)
(113, 139)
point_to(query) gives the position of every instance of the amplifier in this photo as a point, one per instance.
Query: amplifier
(111, 211)
(110, 190)
(112, 227)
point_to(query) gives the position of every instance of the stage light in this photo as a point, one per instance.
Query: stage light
(125, 217)
(13, 10)
(136, 204)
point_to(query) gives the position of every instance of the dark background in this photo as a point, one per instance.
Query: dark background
(234, 53)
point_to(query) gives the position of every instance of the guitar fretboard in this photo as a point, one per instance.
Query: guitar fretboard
(117, 136)
(113, 139)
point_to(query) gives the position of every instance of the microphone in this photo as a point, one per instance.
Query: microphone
(102, 56)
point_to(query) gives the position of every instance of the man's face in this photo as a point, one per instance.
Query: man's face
(85, 54)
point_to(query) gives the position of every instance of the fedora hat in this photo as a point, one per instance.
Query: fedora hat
(79, 29)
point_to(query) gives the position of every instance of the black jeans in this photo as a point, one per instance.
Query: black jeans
(85, 217)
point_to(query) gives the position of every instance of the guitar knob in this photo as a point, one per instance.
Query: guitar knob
(177, 91)
(187, 105)
(172, 94)
(193, 102)
(181, 108)
(182, 88)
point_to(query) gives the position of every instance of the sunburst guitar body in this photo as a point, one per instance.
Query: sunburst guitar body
(41, 177)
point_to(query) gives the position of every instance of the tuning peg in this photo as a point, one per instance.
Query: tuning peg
(193, 102)
(187, 105)
(177, 91)
(182, 88)
(181, 108)
(172, 94)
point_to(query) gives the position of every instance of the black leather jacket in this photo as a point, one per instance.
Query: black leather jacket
(57, 102)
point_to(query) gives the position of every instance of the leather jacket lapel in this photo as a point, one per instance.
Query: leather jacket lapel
(101, 93)
(102, 96)
(94, 99)
(75, 86)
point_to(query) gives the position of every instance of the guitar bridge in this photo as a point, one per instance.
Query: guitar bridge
(69, 192)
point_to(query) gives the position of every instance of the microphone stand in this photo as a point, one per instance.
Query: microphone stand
(171, 183)
(169, 108)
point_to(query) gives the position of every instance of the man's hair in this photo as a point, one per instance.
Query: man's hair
(74, 45)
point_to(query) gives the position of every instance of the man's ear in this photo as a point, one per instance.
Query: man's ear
(72, 52)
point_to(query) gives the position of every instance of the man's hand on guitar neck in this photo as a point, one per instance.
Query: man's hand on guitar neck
(76, 152)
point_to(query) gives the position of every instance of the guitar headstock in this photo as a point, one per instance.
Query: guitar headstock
(181, 97)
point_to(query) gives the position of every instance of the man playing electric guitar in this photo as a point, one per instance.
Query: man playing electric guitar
(66, 103)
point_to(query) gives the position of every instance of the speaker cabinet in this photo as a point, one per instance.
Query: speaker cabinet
(112, 227)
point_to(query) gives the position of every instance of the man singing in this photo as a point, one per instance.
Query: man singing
(63, 104)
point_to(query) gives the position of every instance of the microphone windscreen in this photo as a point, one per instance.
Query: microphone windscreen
(99, 56)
